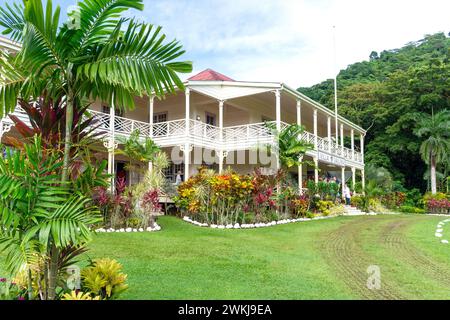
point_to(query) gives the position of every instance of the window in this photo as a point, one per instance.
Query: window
(119, 112)
(210, 119)
(172, 170)
(160, 117)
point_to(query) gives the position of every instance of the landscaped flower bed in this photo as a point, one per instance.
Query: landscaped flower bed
(230, 199)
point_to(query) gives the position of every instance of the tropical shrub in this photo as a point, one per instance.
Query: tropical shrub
(104, 278)
(411, 209)
(438, 206)
(324, 207)
(74, 295)
(33, 202)
(9, 290)
(413, 198)
(300, 206)
(436, 203)
(393, 200)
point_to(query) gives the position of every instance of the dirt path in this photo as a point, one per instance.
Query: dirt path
(393, 238)
(342, 249)
(345, 250)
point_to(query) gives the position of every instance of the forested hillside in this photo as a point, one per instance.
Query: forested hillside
(387, 95)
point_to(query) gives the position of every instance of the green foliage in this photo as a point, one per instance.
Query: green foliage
(324, 207)
(103, 54)
(291, 149)
(386, 94)
(435, 150)
(411, 209)
(36, 211)
(104, 278)
(44, 225)
(138, 148)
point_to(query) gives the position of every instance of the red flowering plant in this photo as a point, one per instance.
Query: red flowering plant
(436, 206)
(394, 199)
(300, 206)
(152, 207)
(264, 193)
(102, 199)
(116, 209)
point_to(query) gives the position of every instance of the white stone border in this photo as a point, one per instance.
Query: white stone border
(257, 225)
(440, 230)
(111, 230)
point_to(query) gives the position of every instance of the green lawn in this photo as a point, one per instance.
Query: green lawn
(324, 259)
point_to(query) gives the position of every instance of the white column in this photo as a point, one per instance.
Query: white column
(278, 109)
(111, 144)
(150, 121)
(1, 130)
(353, 178)
(342, 182)
(299, 112)
(221, 104)
(278, 119)
(342, 138)
(150, 114)
(188, 111)
(329, 133)
(315, 130)
(316, 170)
(300, 177)
(187, 160)
(187, 155)
(352, 135)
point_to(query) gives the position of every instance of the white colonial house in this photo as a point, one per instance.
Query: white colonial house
(227, 119)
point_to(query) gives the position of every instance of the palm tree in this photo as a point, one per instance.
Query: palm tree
(291, 148)
(138, 149)
(95, 54)
(436, 148)
(41, 222)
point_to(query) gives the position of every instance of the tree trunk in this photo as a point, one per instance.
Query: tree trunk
(53, 272)
(68, 136)
(30, 285)
(433, 174)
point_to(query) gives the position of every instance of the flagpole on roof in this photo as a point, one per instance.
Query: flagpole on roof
(335, 84)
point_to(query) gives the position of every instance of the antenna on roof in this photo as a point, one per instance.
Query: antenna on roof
(335, 84)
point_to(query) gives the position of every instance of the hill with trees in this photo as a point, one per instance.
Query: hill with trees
(388, 95)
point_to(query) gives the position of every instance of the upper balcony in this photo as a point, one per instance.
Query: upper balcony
(199, 134)
(233, 138)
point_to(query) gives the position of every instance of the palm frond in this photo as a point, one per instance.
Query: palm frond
(138, 60)
(12, 20)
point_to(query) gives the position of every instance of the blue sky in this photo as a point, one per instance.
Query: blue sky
(289, 40)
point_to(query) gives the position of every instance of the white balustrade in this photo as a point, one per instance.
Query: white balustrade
(244, 136)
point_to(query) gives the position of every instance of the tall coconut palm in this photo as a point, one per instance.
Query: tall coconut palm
(95, 54)
(435, 148)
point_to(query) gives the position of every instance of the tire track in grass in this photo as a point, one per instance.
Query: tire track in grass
(343, 251)
(393, 237)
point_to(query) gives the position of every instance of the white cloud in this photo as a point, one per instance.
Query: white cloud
(291, 40)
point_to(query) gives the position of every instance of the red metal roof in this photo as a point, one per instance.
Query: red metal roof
(210, 75)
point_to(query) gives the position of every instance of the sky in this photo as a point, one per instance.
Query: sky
(290, 41)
